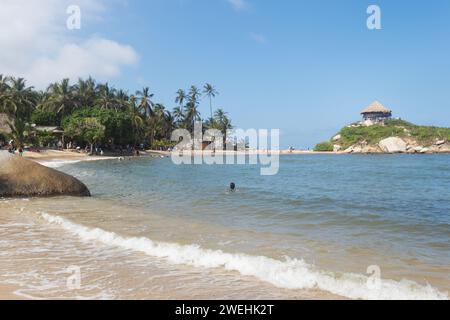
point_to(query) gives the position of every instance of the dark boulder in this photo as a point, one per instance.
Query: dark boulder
(20, 177)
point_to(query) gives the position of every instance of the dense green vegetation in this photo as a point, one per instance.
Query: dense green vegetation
(44, 118)
(116, 125)
(325, 146)
(91, 113)
(424, 135)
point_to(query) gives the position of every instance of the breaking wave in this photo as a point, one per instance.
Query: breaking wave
(288, 274)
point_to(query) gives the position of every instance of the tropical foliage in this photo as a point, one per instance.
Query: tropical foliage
(92, 112)
(324, 147)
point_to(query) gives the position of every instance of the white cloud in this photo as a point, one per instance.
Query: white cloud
(259, 38)
(36, 44)
(97, 57)
(239, 5)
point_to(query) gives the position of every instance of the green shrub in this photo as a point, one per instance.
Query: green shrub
(44, 118)
(45, 138)
(118, 126)
(324, 147)
(163, 144)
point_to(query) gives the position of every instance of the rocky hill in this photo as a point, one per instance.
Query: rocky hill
(392, 136)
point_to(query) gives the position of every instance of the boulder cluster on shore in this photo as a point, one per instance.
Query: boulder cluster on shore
(396, 145)
(389, 136)
(20, 177)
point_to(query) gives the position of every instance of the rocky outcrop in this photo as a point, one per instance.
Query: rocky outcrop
(393, 145)
(337, 137)
(363, 147)
(405, 137)
(24, 178)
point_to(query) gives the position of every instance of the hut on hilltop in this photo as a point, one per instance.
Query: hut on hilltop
(376, 112)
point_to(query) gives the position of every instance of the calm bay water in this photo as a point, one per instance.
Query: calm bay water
(310, 231)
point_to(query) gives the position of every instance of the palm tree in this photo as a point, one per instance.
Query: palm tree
(4, 84)
(122, 98)
(106, 97)
(181, 97)
(163, 123)
(211, 92)
(86, 92)
(222, 121)
(146, 103)
(158, 121)
(4, 89)
(21, 99)
(191, 109)
(192, 115)
(170, 124)
(194, 95)
(18, 103)
(220, 114)
(61, 98)
(137, 122)
(178, 114)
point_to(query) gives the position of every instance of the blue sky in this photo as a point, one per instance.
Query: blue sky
(305, 67)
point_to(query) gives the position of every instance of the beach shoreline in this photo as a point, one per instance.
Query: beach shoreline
(54, 156)
(276, 152)
(247, 152)
(66, 155)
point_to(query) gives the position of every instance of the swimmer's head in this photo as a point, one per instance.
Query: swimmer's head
(232, 186)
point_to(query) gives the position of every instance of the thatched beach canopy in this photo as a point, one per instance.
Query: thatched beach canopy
(376, 107)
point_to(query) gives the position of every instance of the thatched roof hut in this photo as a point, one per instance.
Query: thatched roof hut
(376, 107)
(376, 112)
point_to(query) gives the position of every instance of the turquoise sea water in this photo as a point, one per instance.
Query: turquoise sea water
(321, 222)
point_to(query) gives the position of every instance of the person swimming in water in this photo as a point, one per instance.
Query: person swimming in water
(232, 187)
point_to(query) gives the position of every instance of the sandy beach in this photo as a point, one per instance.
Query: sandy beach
(55, 155)
(47, 157)
(40, 253)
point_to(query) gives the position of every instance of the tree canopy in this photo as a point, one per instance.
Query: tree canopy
(93, 112)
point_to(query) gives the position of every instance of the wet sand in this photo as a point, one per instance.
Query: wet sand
(41, 255)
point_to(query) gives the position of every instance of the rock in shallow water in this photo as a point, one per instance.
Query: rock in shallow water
(20, 177)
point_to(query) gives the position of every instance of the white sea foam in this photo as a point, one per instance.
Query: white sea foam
(289, 274)
(58, 163)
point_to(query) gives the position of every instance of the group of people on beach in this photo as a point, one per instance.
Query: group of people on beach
(10, 146)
